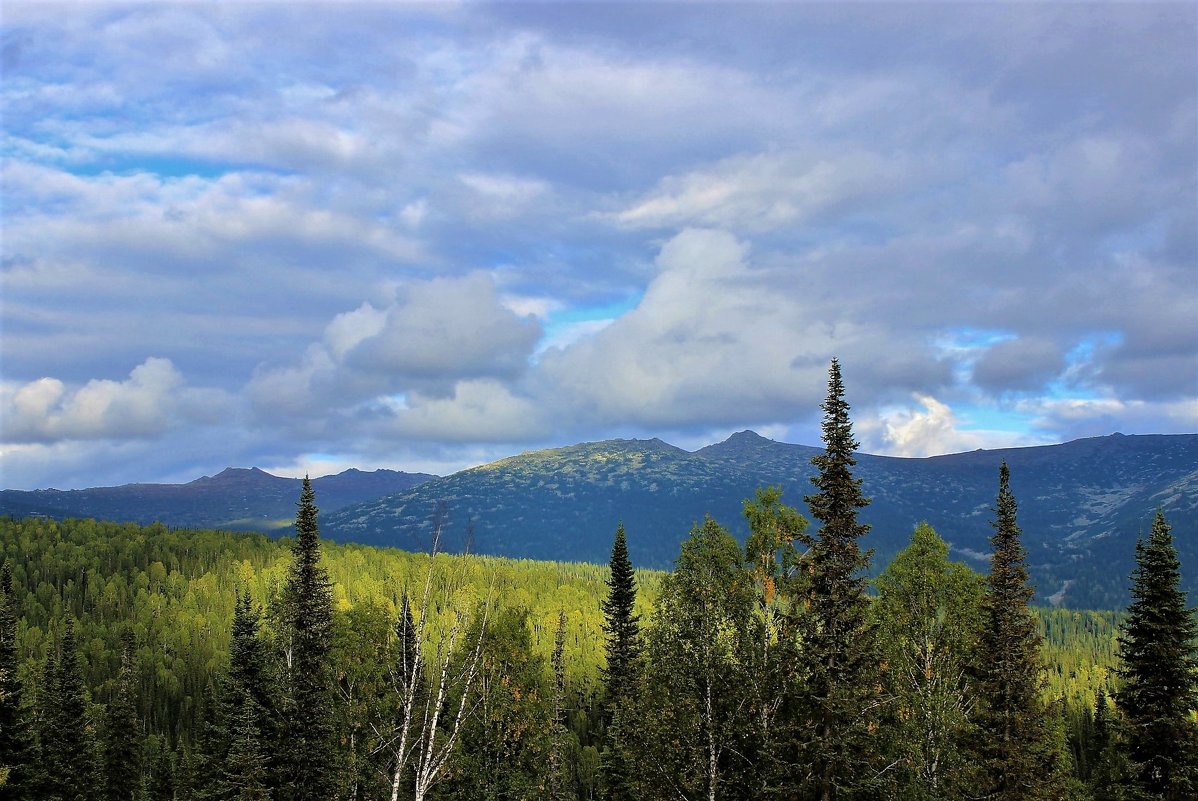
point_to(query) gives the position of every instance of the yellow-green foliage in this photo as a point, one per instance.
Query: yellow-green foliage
(175, 590)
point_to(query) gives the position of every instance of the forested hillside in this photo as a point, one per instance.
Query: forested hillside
(1084, 503)
(175, 590)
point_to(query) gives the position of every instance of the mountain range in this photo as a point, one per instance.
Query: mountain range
(1082, 504)
(238, 499)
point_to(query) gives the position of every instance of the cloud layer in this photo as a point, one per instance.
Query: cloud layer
(423, 236)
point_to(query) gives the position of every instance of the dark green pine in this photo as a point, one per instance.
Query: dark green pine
(834, 731)
(1159, 669)
(160, 784)
(1013, 738)
(16, 753)
(310, 757)
(122, 743)
(622, 649)
(558, 780)
(248, 671)
(615, 774)
(68, 742)
(621, 624)
(245, 771)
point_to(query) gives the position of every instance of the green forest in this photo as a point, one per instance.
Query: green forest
(141, 662)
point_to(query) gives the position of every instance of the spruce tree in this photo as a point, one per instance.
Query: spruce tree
(249, 677)
(122, 743)
(244, 773)
(160, 783)
(1159, 669)
(248, 667)
(311, 757)
(839, 652)
(622, 624)
(67, 737)
(558, 778)
(16, 754)
(1014, 733)
(622, 648)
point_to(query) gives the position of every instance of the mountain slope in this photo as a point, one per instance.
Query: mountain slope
(235, 498)
(1081, 503)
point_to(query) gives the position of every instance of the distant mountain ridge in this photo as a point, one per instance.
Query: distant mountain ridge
(235, 498)
(1081, 504)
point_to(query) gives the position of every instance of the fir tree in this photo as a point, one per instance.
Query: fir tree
(310, 761)
(248, 676)
(160, 782)
(622, 625)
(1014, 735)
(247, 655)
(244, 773)
(16, 755)
(67, 738)
(122, 745)
(839, 645)
(622, 647)
(1159, 669)
(557, 756)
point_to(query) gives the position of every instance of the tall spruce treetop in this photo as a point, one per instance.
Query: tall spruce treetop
(1014, 738)
(308, 601)
(622, 625)
(839, 643)
(1159, 655)
(839, 496)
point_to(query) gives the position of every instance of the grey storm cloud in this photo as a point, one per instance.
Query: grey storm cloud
(1019, 364)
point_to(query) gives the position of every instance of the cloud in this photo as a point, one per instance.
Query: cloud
(434, 334)
(151, 401)
(764, 191)
(415, 221)
(447, 329)
(1071, 418)
(932, 431)
(717, 339)
(1023, 364)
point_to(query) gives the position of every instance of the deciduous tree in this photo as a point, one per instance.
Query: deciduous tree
(928, 613)
(695, 714)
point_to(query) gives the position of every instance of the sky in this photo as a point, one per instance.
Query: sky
(425, 236)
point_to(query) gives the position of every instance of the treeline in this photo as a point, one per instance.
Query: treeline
(143, 663)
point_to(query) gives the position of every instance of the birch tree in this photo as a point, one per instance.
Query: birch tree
(424, 728)
(928, 614)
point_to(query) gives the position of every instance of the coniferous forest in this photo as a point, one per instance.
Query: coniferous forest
(139, 662)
